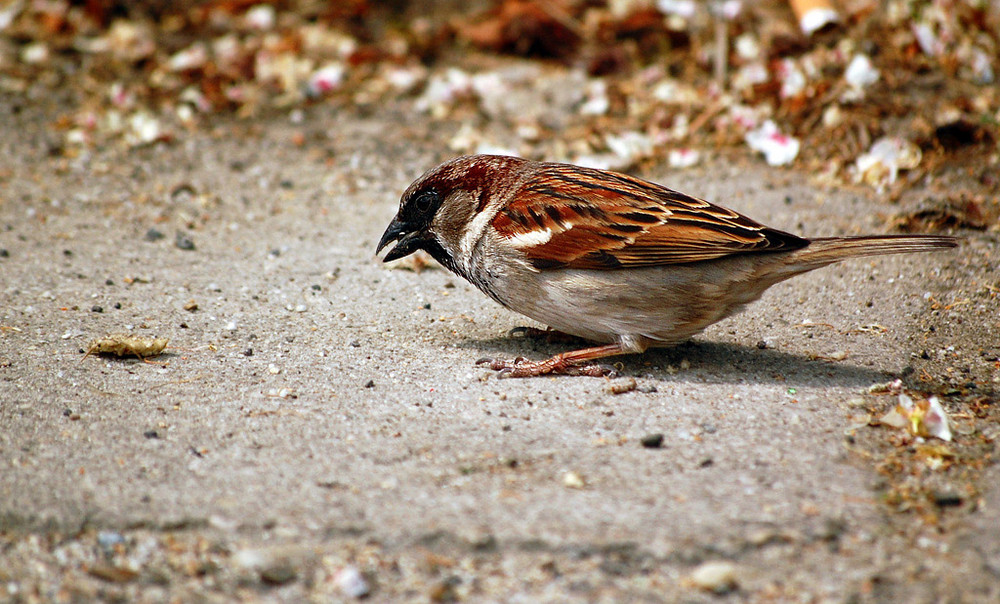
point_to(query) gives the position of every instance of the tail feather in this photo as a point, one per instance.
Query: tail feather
(827, 250)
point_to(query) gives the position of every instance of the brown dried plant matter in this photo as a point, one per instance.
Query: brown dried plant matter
(123, 345)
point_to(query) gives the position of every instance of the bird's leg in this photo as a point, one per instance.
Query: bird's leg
(567, 363)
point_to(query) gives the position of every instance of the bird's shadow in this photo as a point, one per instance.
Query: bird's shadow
(712, 362)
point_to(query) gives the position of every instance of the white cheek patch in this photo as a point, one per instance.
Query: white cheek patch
(474, 232)
(531, 238)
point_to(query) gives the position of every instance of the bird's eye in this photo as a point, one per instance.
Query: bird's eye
(426, 201)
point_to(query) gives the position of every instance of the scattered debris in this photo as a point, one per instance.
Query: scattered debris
(622, 386)
(183, 241)
(958, 212)
(860, 74)
(815, 15)
(632, 80)
(351, 582)
(838, 355)
(893, 387)
(526, 28)
(717, 576)
(880, 166)
(112, 573)
(683, 158)
(417, 262)
(778, 149)
(652, 441)
(573, 480)
(925, 418)
(124, 345)
(279, 573)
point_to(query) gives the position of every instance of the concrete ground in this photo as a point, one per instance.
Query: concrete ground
(319, 415)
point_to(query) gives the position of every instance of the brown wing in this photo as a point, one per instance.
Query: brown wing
(568, 216)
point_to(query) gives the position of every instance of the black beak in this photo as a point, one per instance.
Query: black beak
(409, 241)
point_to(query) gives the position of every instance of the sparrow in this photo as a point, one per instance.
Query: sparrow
(622, 262)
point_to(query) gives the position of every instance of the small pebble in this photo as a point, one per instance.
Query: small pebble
(96, 308)
(370, 384)
(273, 369)
(947, 498)
(108, 282)
(109, 539)
(183, 241)
(278, 574)
(151, 434)
(352, 583)
(153, 235)
(223, 523)
(248, 352)
(716, 576)
(652, 441)
(573, 480)
(4, 253)
(191, 306)
(444, 590)
(249, 558)
(111, 573)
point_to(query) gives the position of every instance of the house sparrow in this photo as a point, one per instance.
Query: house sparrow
(608, 257)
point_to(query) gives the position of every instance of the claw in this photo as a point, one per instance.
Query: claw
(499, 364)
(598, 371)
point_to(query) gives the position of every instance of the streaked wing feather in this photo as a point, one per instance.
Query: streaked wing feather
(600, 219)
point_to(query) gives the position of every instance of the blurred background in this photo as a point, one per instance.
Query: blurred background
(899, 95)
